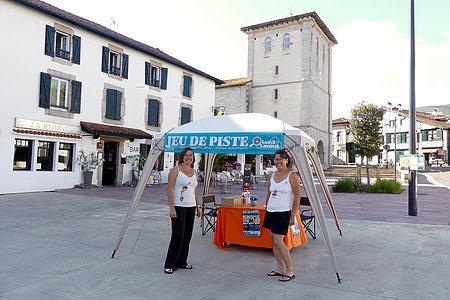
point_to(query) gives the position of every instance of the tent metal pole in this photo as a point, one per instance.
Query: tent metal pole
(299, 154)
(323, 183)
(148, 167)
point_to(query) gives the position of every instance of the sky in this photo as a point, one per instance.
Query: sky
(370, 63)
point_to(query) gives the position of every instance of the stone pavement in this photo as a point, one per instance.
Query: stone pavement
(57, 245)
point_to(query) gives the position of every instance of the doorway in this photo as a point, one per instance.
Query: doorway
(110, 163)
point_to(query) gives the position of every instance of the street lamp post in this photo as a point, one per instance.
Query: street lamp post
(395, 147)
(394, 110)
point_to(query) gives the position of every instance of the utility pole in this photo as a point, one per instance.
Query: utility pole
(412, 187)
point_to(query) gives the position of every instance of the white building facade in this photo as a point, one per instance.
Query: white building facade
(432, 137)
(74, 85)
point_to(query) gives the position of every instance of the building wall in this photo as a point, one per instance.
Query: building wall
(23, 33)
(234, 98)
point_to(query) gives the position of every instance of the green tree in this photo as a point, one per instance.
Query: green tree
(364, 127)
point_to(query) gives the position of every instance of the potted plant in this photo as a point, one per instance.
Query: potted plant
(88, 163)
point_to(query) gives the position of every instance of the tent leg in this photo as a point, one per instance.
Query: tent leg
(338, 277)
(114, 253)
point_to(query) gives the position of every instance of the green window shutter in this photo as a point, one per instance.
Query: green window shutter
(111, 104)
(147, 73)
(118, 105)
(125, 66)
(439, 134)
(49, 41)
(424, 135)
(399, 138)
(44, 93)
(185, 115)
(75, 106)
(164, 72)
(105, 59)
(76, 40)
(153, 112)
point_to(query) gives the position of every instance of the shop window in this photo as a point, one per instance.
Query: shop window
(54, 93)
(61, 44)
(23, 150)
(187, 86)
(113, 104)
(45, 156)
(114, 62)
(65, 157)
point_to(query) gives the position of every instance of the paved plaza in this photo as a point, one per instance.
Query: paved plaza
(57, 245)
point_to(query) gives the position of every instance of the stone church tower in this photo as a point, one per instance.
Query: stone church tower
(288, 76)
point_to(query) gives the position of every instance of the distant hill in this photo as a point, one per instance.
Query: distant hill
(444, 108)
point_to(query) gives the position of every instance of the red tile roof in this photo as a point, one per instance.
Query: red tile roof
(233, 82)
(110, 34)
(312, 15)
(103, 129)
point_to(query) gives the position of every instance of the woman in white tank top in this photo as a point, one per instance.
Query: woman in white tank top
(183, 205)
(282, 201)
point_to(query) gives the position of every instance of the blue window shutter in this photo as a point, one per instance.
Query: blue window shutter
(75, 106)
(110, 104)
(44, 94)
(185, 115)
(147, 73)
(105, 59)
(125, 66)
(76, 40)
(118, 104)
(164, 78)
(153, 112)
(186, 86)
(49, 41)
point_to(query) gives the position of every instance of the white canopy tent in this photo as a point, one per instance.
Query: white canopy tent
(249, 133)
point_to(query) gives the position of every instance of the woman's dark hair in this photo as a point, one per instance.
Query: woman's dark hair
(283, 154)
(183, 153)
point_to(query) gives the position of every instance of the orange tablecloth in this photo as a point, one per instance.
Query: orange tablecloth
(229, 229)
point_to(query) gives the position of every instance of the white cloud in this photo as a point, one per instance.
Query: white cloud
(371, 64)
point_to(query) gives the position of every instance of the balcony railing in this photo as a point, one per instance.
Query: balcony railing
(154, 82)
(64, 54)
(115, 70)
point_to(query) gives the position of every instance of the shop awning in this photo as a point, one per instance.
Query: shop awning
(48, 133)
(430, 150)
(111, 130)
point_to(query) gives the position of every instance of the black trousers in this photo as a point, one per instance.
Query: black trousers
(182, 227)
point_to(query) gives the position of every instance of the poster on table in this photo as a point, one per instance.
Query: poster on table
(251, 223)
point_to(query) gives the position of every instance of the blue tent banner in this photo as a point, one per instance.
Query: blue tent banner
(226, 142)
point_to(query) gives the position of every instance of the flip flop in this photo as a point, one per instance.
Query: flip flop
(274, 273)
(168, 271)
(286, 278)
(187, 266)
